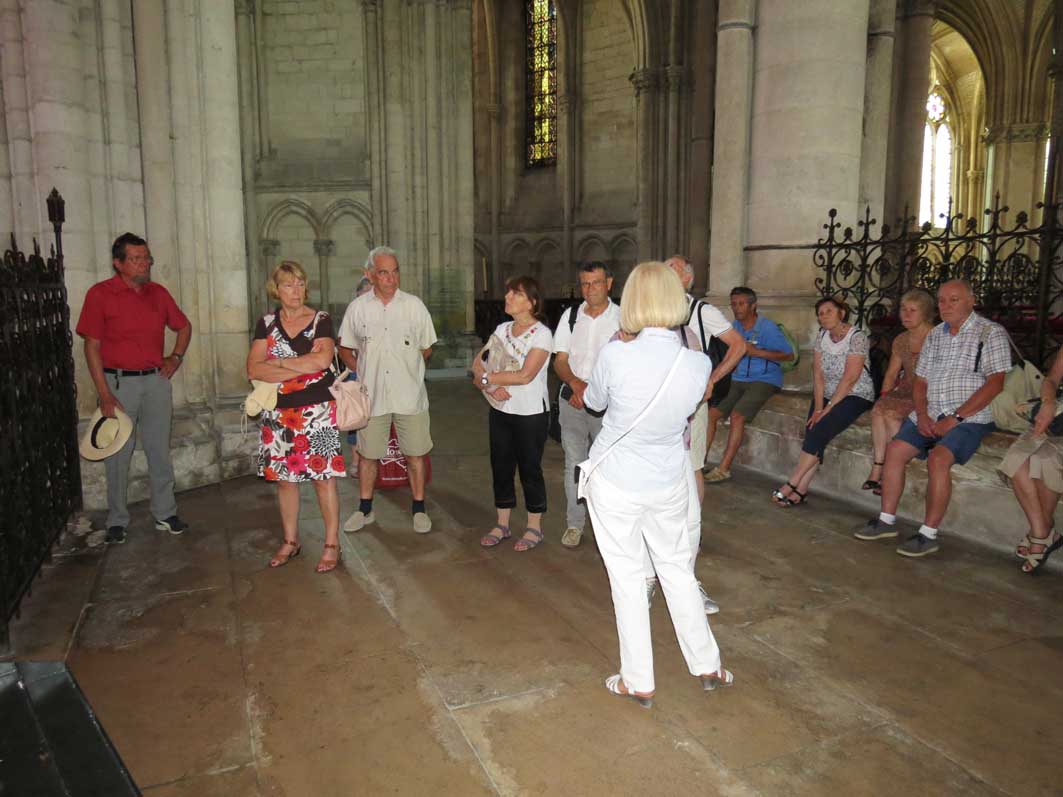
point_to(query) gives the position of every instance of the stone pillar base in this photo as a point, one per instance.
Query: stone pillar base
(206, 446)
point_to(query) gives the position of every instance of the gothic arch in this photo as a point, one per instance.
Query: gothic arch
(543, 249)
(642, 18)
(592, 247)
(514, 247)
(289, 207)
(995, 42)
(348, 207)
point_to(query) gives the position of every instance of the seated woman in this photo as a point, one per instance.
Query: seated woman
(293, 346)
(1034, 465)
(639, 483)
(517, 429)
(896, 402)
(842, 392)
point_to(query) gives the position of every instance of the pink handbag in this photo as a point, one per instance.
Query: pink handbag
(353, 409)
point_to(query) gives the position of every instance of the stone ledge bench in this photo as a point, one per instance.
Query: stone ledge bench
(982, 509)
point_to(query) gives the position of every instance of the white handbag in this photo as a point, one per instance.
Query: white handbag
(586, 468)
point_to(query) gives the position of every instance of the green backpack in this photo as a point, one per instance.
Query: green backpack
(789, 365)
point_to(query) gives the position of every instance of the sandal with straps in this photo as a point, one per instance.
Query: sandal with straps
(490, 540)
(524, 544)
(1023, 546)
(328, 565)
(874, 484)
(785, 501)
(280, 560)
(721, 677)
(1035, 561)
(613, 682)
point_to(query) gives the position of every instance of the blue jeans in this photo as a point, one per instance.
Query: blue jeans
(962, 440)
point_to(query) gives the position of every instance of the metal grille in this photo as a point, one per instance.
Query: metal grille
(41, 484)
(1016, 270)
(540, 76)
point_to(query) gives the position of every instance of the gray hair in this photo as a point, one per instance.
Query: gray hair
(376, 252)
(965, 284)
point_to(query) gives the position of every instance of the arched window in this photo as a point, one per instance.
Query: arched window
(540, 83)
(936, 186)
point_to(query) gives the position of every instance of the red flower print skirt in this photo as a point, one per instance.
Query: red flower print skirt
(300, 444)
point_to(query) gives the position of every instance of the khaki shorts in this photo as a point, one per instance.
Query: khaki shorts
(1045, 456)
(746, 398)
(699, 429)
(415, 440)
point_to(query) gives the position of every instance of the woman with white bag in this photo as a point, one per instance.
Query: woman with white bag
(637, 479)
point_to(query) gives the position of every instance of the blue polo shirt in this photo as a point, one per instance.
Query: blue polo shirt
(768, 336)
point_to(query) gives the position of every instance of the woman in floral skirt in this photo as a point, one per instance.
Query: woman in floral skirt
(293, 346)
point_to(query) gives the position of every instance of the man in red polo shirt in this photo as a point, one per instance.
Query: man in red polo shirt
(123, 323)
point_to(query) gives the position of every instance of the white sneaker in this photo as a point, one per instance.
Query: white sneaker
(422, 524)
(572, 537)
(357, 521)
(711, 606)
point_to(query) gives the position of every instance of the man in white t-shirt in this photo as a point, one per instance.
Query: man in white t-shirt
(581, 334)
(705, 321)
(387, 337)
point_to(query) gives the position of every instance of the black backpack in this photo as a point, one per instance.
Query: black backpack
(715, 348)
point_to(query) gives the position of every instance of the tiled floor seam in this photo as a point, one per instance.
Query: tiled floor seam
(208, 773)
(238, 619)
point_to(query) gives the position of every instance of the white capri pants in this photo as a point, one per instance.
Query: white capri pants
(626, 525)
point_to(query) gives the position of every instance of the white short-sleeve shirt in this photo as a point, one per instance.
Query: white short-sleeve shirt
(625, 378)
(587, 337)
(712, 319)
(389, 339)
(532, 398)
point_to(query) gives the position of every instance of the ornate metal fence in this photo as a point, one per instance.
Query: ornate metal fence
(41, 484)
(1015, 270)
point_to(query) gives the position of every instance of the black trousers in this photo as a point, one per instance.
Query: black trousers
(833, 424)
(517, 443)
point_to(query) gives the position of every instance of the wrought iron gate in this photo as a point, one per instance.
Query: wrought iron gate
(1016, 270)
(40, 473)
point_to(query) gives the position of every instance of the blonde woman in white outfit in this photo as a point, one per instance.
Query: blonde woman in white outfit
(639, 487)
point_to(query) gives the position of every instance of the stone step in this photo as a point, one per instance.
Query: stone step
(51, 742)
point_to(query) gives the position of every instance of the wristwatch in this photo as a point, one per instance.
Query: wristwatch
(957, 416)
(180, 357)
(484, 381)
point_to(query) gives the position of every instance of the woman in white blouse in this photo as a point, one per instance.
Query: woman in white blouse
(842, 391)
(518, 429)
(641, 483)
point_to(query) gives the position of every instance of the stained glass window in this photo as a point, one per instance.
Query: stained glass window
(936, 183)
(540, 117)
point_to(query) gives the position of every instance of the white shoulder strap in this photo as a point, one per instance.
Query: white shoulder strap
(646, 411)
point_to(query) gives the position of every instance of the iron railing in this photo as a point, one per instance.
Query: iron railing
(41, 484)
(1014, 268)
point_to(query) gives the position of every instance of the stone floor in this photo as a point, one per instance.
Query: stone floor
(426, 665)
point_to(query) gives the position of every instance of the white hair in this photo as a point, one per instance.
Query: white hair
(375, 252)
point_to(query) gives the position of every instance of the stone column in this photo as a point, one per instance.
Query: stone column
(878, 92)
(646, 82)
(807, 135)
(247, 48)
(25, 212)
(324, 248)
(731, 143)
(423, 97)
(7, 204)
(228, 263)
(910, 116)
(700, 101)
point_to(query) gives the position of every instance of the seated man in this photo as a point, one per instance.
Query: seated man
(757, 378)
(960, 371)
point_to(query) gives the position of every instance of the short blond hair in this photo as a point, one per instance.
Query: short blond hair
(653, 297)
(921, 298)
(287, 268)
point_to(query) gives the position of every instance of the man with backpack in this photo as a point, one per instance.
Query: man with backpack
(581, 333)
(757, 378)
(706, 322)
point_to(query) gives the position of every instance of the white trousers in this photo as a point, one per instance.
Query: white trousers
(626, 526)
(693, 527)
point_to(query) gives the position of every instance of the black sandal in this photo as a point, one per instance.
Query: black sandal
(785, 501)
(873, 484)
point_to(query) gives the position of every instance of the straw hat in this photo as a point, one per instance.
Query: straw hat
(105, 436)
